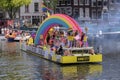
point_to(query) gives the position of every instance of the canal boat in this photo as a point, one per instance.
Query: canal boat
(78, 55)
(61, 49)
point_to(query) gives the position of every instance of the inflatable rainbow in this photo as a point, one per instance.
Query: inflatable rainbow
(56, 19)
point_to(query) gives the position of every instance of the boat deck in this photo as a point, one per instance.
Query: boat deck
(78, 57)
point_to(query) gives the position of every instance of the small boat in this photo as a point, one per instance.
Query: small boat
(15, 37)
(18, 38)
(10, 38)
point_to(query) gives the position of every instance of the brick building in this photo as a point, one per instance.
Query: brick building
(82, 9)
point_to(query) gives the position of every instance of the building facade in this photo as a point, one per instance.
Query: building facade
(82, 9)
(30, 14)
(114, 12)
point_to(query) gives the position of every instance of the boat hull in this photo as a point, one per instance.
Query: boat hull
(10, 39)
(51, 56)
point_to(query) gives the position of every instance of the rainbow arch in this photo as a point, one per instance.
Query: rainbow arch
(56, 19)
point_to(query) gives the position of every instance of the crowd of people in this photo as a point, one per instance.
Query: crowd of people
(67, 38)
(57, 40)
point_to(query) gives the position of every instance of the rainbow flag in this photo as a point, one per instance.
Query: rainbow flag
(45, 9)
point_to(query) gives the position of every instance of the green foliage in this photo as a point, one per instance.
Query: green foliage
(12, 6)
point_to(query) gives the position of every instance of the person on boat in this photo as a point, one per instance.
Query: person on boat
(85, 40)
(7, 35)
(81, 40)
(60, 50)
(41, 41)
(14, 34)
(78, 43)
(30, 41)
(70, 39)
(10, 34)
(51, 40)
(10, 37)
(45, 47)
(57, 44)
(48, 38)
(67, 53)
(92, 51)
(62, 40)
(76, 39)
(51, 43)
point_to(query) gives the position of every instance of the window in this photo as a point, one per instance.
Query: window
(59, 2)
(81, 12)
(106, 0)
(1, 15)
(81, 2)
(75, 2)
(63, 10)
(26, 8)
(105, 3)
(69, 2)
(62, 2)
(99, 3)
(36, 7)
(76, 12)
(35, 20)
(94, 16)
(66, 3)
(87, 12)
(99, 14)
(86, 2)
(94, 3)
(69, 11)
(58, 10)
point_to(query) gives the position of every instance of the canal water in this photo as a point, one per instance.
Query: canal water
(18, 65)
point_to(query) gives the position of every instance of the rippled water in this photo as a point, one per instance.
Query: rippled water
(18, 65)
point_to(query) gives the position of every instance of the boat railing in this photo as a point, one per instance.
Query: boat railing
(76, 48)
(82, 50)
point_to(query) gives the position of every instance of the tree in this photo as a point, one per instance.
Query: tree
(52, 4)
(12, 6)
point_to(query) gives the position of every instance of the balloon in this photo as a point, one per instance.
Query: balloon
(51, 29)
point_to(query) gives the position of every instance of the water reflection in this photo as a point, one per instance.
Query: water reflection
(19, 65)
(9, 47)
(72, 72)
(23, 66)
